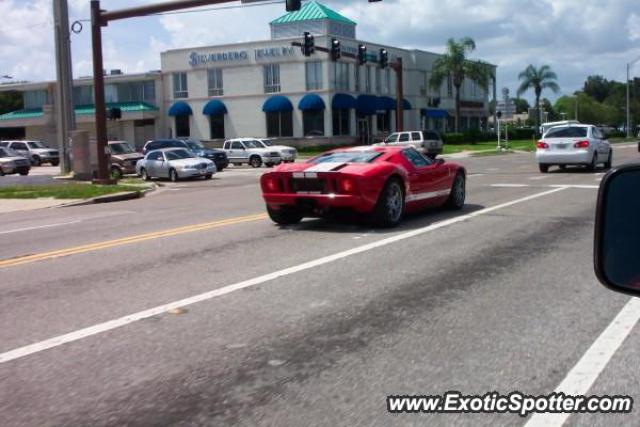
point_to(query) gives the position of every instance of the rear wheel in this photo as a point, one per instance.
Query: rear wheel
(609, 163)
(173, 175)
(116, 173)
(284, 216)
(390, 206)
(144, 175)
(55, 162)
(563, 167)
(36, 161)
(208, 176)
(255, 161)
(543, 168)
(594, 163)
(458, 193)
(24, 173)
(1, 172)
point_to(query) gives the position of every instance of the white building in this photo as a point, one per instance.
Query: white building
(269, 88)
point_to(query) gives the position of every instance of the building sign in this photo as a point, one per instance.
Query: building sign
(198, 59)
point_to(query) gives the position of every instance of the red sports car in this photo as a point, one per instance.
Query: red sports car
(380, 182)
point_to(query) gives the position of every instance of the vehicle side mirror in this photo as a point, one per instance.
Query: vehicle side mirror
(440, 161)
(617, 231)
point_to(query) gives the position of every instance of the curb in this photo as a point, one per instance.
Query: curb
(110, 198)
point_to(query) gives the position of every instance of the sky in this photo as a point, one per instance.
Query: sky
(576, 38)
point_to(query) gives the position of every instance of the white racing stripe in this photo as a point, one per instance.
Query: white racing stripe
(145, 314)
(38, 227)
(590, 366)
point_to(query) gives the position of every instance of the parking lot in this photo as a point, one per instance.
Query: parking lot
(190, 306)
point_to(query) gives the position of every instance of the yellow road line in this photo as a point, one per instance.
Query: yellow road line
(12, 262)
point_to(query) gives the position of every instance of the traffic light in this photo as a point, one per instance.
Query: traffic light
(292, 5)
(362, 54)
(308, 44)
(114, 113)
(336, 50)
(384, 58)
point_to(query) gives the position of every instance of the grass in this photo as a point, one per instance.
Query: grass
(519, 145)
(66, 191)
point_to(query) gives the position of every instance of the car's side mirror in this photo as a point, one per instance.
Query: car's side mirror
(617, 231)
(440, 161)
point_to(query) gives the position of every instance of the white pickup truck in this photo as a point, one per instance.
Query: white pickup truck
(250, 151)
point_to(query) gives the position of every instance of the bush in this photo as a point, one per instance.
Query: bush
(453, 138)
(521, 133)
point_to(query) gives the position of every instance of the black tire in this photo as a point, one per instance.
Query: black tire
(458, 193)
(116, 173)
(543, 168)
(591, 167)
(173, 175)
(144, 175)
(284, 216)
(563, 167)
(390, 206)
(269, 165)
(36, 161)
(23, 173)
(609, 163)
(55, 162)
(1, 172)
(255, 161)
(208, 176)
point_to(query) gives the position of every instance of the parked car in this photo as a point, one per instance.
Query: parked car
(36, 151)
(573, 144)
(428, 142)
(175, 164)
(11, 162)
(123, 158)
(158, 144)
(252, 152)
(288, 154)
(380, 182)
(219, 157)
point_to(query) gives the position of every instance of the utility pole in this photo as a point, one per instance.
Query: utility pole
(65, 114)
(398, 68)
(629, 133)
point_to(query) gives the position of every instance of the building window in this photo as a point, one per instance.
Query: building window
(35, 98)
(182, 126)
(271, 78)
(367, 79)
(341, 122)
(384, 122)
(378, 73)
(141, 91)
(357, 77)
(83, 95)
(214, 79)
(341, 75)
(280, 124)
(386, 80)
(313, 122)
(314, 75)
(216, 126)
(180, 89)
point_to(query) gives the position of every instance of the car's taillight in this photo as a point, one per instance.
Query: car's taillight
(271, 184)
(581, 144)
(346, 185)
(542, 145)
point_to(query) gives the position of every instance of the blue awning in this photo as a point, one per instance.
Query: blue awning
(215, 107)
(434, 113)
(406, 105)
(276, 104)
(180, 108)
(367, 105)
(311, 102)
(342, 101)
(386, 103)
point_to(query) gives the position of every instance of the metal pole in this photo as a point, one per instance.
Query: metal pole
(399, 95)
(98, 87)
(65, 115)
(628, 105)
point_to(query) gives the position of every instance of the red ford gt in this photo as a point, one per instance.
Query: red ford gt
(380, 182)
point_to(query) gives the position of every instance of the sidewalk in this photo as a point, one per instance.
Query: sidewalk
(15, 205)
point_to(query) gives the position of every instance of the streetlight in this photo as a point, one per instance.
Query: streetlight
(629, 97)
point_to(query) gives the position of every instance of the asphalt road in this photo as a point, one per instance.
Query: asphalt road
(313, 324)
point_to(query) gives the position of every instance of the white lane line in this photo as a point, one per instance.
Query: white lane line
(145, 314)
(38, 227)
(473, 175)
(584, 187)
(590, 366)
(537, 178)
(509, 185)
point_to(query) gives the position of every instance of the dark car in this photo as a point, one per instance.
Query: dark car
(219, 157)
(158, 144)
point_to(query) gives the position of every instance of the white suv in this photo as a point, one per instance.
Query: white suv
(251, 152)
(426, 141)
(287, 153)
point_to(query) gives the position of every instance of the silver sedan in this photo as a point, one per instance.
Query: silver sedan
(175, 164)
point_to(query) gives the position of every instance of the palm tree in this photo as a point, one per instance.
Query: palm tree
(538, 79)
(454, 64)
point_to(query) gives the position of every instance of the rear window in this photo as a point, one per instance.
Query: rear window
(347, 157)
(569, 132)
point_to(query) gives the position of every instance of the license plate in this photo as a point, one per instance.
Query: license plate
(203, 172)
(561, 146)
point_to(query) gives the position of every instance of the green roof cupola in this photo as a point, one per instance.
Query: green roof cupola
(315, 18)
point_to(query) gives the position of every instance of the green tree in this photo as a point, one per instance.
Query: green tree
(597, 87)
(589, 110)
(522, 105)
(454, 64)
(538, 79)
(10, 101)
